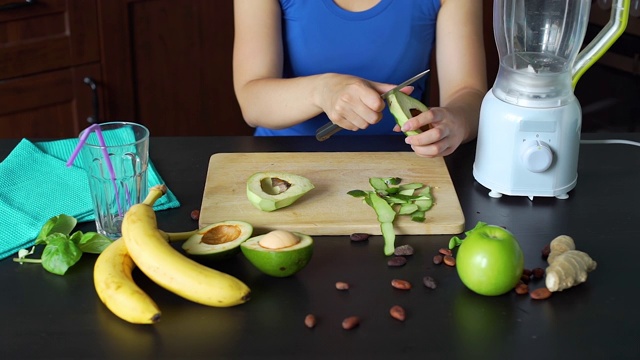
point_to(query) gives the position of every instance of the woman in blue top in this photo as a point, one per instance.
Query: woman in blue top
(300, 63)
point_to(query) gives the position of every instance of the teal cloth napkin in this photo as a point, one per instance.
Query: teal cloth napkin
(36, 184)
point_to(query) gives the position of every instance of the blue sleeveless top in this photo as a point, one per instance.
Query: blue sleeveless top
(390, 43)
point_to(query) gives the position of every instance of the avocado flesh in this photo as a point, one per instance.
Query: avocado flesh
(269, 191)
(218, 241)
(400, 105)
(279, 262)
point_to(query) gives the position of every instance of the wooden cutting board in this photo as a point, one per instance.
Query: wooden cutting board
(328, 209)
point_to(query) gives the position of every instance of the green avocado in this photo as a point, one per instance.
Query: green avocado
(279, 260)
(269, 191)
(218, 241)
(404, 107)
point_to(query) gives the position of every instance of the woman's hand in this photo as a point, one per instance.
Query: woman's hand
(443, 130)
(351, 102)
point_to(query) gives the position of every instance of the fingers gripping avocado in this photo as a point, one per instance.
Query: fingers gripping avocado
(404, 107)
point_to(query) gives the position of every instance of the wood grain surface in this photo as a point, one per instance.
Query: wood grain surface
(328, 209)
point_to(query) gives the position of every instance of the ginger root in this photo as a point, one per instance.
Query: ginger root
(567, 266)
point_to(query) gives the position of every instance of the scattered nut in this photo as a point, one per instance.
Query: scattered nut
(445, 252)
(429, 282)
(540, 294)
(449, 260)
(397, 261)
(341, 285)
(359, 237)
(397, 312)
(350, 322)
(525, 279)
(403, 250)
(546, 250)
(437, 259)
(310, 321)
(526, 272)
(401, 284)
(522, 289)
(195, 214)
(538, 273)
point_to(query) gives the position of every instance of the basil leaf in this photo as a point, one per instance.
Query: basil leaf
(60, 254)
(91, 242)
(62, 224)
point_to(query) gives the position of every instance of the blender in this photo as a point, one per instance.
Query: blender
(530, 121)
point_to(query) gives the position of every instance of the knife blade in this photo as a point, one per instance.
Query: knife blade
(328, 129)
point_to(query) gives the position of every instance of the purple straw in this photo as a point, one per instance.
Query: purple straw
(83, 139)
(105, 154)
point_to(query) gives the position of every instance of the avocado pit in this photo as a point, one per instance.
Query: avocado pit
(221, 234)
(279, 239)
(219, 240)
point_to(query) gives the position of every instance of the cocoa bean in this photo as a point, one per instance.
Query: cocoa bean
(546, 250)
(437, 259)
(538, 273)
(397, 261)
(522, 289)
(350, 322)
(359, 237)
(403, 250)
(397, 312)
(449, 260)
(429, 282)
(526, 272)
(310, 321)
(540, 294)
(525, 279)
(401, 284)
(195, 215)
(445, 252)
(341, 285)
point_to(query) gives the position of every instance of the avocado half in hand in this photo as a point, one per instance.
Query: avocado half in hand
(279, 253)
(218, 241)
(269, 191)
(404, 107)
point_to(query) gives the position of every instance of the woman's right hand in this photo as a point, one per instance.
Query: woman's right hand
(352, 103)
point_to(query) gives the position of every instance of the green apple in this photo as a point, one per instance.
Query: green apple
(489, 260)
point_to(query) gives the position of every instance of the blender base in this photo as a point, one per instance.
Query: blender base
(524, 151)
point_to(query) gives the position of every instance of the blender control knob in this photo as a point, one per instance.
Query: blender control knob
(536, 156)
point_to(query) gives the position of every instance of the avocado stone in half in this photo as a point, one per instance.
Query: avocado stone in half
(219, 240)
(279, 260)
(269, 191)
(404, 107)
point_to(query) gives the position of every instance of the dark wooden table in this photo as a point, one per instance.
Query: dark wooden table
(60, 317)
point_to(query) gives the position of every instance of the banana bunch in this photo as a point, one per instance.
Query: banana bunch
(145, 246)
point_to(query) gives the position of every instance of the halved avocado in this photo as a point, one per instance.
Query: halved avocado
(219, 240)
(279, 258)
(269, 191)
(404, 107)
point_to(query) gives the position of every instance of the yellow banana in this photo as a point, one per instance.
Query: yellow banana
(116, 288)
(114, 283)
(169, 268)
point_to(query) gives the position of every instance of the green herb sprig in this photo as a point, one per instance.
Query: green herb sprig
(62, 250)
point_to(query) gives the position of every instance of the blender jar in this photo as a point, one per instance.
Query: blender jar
(538, 41)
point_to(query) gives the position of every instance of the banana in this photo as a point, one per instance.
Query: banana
(169, 268)
(116, 288)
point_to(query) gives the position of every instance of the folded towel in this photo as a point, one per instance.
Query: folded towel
(36, 184)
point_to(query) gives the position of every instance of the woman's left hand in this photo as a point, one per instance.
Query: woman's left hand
(442, 132)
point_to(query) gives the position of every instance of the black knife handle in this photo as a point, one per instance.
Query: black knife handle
(325, 132)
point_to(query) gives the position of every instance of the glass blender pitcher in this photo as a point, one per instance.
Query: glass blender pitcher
(530, 121)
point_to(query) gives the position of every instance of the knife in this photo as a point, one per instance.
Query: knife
(325, 131)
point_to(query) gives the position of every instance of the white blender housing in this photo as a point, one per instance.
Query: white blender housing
(530, 121)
